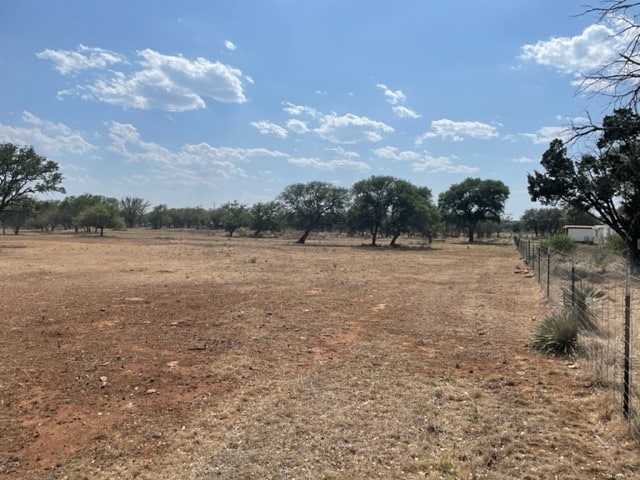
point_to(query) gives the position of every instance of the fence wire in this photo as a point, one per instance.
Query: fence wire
(601, 291)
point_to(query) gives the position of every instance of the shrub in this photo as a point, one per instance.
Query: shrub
(557, 334)
(582, 301)
(562, 244)
(615, 244)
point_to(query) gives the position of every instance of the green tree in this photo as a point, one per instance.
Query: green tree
(473, 200)
(71, 208)
(606, 185)
(543, 221)
(411, 210)
(234, 216)
(266, 216)
(17, 215)
(104, 213)
(372, 199)
(24, 173)
(133, 210)
(45, 215)
(159, 217)
(313, 205)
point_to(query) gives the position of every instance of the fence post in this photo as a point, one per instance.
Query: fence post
(573, 283)
(548, 271)
(539, 255)
(626, 380)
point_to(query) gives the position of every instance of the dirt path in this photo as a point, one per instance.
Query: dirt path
(183, 355)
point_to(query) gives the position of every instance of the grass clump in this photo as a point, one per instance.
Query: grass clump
(557, 334)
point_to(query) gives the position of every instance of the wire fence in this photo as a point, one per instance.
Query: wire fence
(598, 287)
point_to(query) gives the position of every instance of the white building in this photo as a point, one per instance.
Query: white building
(600, 234)
(579, 233)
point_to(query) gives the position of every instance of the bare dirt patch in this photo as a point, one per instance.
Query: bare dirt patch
(185, 355)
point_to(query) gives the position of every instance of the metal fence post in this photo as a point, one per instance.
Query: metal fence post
(539, 255)
(548, 271)
(573, 283)
(626, 380)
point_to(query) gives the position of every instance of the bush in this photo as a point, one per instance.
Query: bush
(557, 334)
(582, 301)
(562, 244)
(615, 244)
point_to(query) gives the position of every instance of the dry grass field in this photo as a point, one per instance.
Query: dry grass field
(171, 355)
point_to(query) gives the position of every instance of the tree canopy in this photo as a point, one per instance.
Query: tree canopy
(391, 205)
(23, 173)
(605, 184)
(314, 205)
(472, 201)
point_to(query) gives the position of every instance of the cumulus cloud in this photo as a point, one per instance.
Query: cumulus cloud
(457, 131)
(405, 112)
(82, 58)
(330, 165)
(202, 159)
(297, 110)
(351, 128)
(166, 82)
(545, 135)
(266, 128)
(423, 161)
(595, 47)
(394, 97)
(297, 126)
(49, 138)
(229, 45)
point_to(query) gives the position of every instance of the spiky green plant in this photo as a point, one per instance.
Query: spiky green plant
(556, 334)
(582, 300)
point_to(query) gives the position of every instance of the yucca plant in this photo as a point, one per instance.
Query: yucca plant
(582, 300)
(557, 334)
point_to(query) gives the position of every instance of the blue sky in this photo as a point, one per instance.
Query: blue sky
(197, 103)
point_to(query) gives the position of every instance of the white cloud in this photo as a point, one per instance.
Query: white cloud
(48, 138)
(351, 128)
(166, 82)
(405, 112)
(297, 110)
(595, 47)
(393, 153)
(330, 165)
(431, 164)
(266, 128)
(457, 131)
(229, 45)
(83, 58)
(394, 97)
(200, 159)
(340, 151)
(523, 160)
(424, 161)
(297, 126)
(546, 134)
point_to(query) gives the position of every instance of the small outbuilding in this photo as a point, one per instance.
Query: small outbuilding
(579, 233)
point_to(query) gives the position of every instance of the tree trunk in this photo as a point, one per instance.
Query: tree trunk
(393, 239)
(374, 235)
(471, 234)
(304, 236)
(101, 231)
